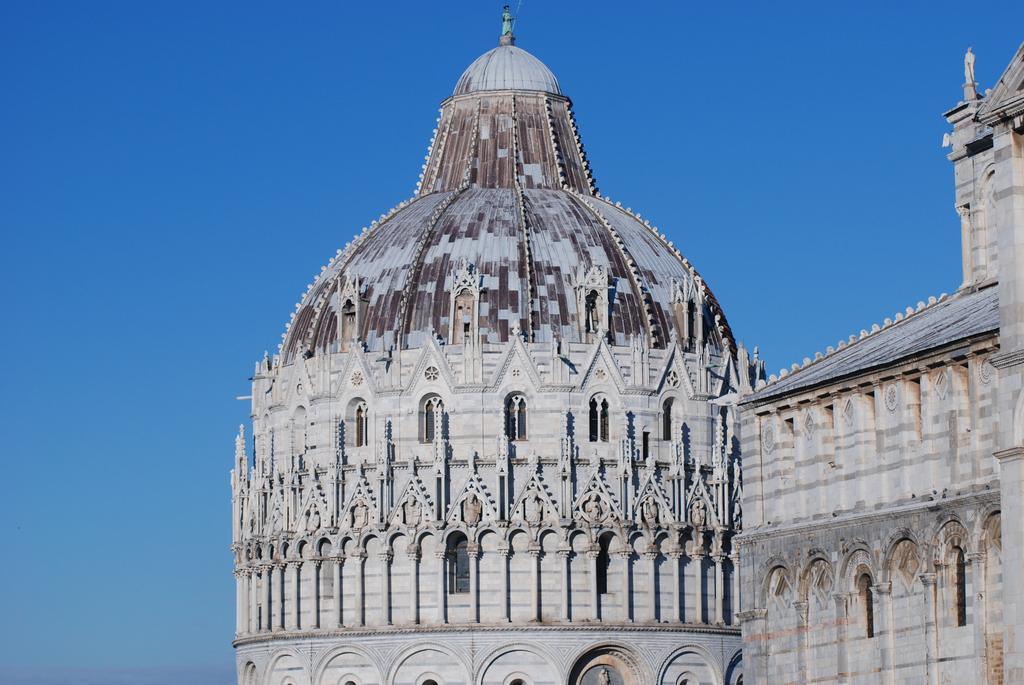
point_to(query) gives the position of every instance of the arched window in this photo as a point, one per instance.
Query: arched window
(431, 418)
(592, 321)
(515, 417)
(598, 419)
(867, 604)
(602, 566)
(299, 432)
(361, 425)
(959, 569)
(666, 419)
(348, 324)
(462, 320)
(458, 564)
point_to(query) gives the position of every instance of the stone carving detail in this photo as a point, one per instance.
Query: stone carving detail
(808, 424)
(986, 372)
(698, 513)
(472, 510)
(360, 514)
(892, 397)
(849, 412)
(593, 509)
(357, 379)
(940, 383)
(411, 511)
(768, 438)
(431, 373)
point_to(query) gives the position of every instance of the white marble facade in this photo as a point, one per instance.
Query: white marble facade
(883, 479)
(499, 443)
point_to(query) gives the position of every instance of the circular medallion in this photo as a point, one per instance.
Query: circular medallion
(431, 374)
(891, 397)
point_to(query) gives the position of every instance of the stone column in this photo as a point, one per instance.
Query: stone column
(698, 588)
(841, 600)
(254, 600)
(360, 591)
(800, 608)
(317, 584)
(339, 562)
(295, 615)
(414, 590)
(883, 615)
(241, 603)
(442, 595)
(535, 552)
(976, 561)
(930, 646)
(595, 598)
(282, 597)
(1011, 488)
(677, 590)
(503, 553)
(268, 587)
(385, 586)
(734, 602)
(627, 600)
(652, 596)
(719, 590)
(563, 561)
(473, 551)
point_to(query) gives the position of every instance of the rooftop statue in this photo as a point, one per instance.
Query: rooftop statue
(506, 21)
(969, 68)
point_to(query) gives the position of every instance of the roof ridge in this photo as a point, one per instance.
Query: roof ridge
(830, 351)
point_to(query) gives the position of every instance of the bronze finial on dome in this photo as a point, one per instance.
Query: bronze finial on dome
(507, 21)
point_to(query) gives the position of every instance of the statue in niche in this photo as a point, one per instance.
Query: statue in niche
(649, 512)
(698, 513)
(472, 510)
(593, 509)
(603, 678)
(360, 515)
(533, 508)
(411, 511)
(312, 520)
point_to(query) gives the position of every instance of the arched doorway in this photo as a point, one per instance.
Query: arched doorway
(606, 666)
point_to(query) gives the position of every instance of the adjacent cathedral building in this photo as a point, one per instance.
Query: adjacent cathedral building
(883, 530)
(509, 438)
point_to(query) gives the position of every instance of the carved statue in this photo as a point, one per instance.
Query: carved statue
(472, 510)
(593, 509)
(698, 513)
(603, 678)
(650, 512)
(360, 515)
(313, 521)
(533, 508)
(411, 511)
(969, 68)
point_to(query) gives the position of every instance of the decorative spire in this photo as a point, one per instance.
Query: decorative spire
(507, 21)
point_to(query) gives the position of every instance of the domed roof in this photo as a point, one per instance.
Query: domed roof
(507, 67)
(508, 209)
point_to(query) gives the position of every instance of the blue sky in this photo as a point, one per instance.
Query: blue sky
(174, 173)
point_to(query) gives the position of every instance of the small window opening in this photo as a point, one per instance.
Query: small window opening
(867, 604)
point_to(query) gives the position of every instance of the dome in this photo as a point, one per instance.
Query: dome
(506, 201)
(507, 67)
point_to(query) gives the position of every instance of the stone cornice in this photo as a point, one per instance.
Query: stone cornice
(875, 516)
(422, 630)
(1008, 359)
